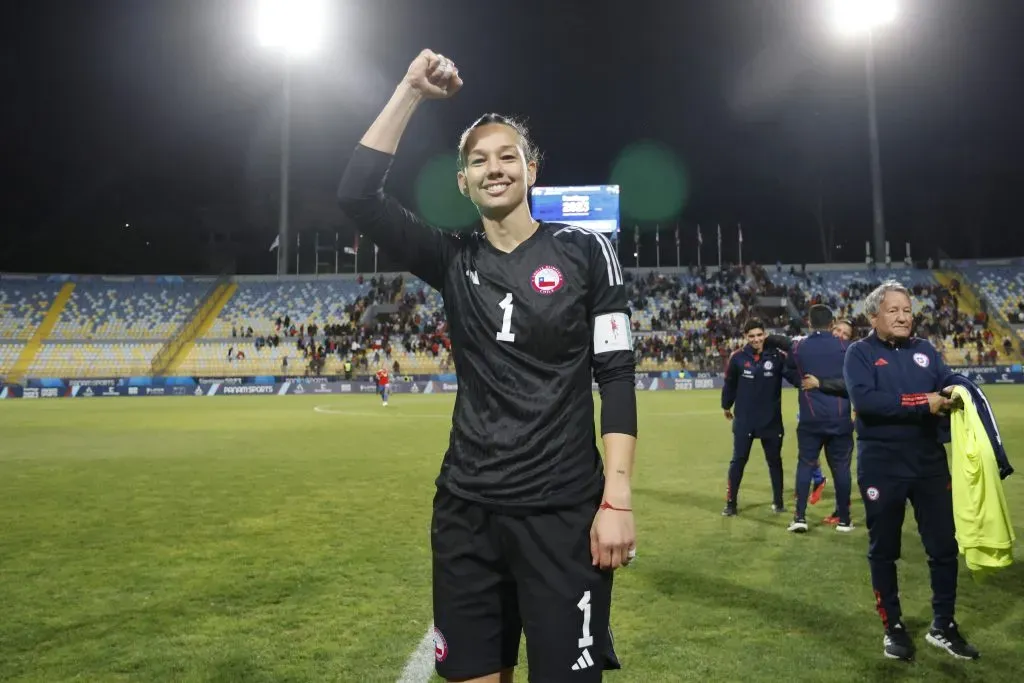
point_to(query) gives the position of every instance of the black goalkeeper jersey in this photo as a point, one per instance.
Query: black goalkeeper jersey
(523, 327)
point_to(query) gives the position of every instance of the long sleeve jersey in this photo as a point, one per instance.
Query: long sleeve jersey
(529, 329)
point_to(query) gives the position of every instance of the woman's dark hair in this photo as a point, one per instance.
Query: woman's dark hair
(530, 150)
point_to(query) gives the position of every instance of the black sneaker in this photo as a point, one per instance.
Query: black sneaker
(949, 639)
(798, 526)
(898, 644)
(730, 510)
(778, 508)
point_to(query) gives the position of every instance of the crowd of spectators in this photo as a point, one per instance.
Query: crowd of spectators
(697, 320)
(367, 340)
(722, 302)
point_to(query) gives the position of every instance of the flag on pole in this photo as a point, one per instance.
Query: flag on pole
(276, 243)
(636, 245)
(700, 243)
(739, 230)
(375, 250)
(677, 245)
(719, 245)
(657, 246)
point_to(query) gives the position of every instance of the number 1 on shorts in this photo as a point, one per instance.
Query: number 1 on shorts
(586, 640)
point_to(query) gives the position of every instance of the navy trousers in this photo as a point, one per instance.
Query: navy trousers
(741, 444)
(838, 454)
(885, 504)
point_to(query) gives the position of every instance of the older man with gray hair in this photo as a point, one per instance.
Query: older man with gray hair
(896, 383)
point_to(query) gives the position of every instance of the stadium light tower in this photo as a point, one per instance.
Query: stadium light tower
(294, 28)
(865, 18)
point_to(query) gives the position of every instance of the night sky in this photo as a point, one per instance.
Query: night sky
(166, 114)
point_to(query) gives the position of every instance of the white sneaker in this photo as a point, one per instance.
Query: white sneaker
(798, 526)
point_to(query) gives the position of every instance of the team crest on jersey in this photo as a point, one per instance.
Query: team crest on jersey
(768, 365)
(921, 360)
(440, 646)
(547, 280)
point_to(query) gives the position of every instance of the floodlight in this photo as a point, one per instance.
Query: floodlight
(862, 16)
(293, 26)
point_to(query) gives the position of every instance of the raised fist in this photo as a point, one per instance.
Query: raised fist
(434, 76)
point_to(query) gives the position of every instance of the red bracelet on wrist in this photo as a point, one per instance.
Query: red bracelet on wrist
(605, 505)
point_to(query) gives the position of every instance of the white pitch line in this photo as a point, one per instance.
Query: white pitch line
(420, 665)
(383, 412)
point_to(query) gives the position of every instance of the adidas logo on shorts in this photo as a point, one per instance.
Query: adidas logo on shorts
(584, 662)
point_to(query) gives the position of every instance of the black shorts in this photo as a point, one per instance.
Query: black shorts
(499, 575)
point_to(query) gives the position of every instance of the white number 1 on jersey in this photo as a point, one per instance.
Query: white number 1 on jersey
(506, 334)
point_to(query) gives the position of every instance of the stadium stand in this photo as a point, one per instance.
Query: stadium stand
(695, 320)
(311, 322)
(8, 355)
(110, 309)
(84, 359)
(683, 319)
(23, 305)
(1003, 286)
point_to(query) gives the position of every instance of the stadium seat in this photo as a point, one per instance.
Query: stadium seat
(1003, 286)
(23, 305)
(113, 310)
(105, 359)
(8, 355)
(258, 304)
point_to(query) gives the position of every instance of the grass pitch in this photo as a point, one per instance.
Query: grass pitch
(286, 539)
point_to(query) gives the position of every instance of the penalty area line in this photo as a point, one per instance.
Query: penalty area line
(420, 665)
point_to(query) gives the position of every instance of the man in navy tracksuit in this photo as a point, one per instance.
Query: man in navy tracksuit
(842, 330)
(823, 420)
(895, 383)
(753, 384)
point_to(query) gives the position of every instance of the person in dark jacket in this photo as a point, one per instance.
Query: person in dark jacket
(823, 420)
(841, 329)
(753, 386)
(896, 383)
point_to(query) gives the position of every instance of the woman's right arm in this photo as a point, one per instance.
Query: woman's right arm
(422, 249)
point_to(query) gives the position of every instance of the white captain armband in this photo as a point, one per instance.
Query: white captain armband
(612, 333)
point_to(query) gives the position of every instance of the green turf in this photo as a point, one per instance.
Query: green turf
(255, 539)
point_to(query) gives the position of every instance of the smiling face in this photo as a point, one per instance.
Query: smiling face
(842, 330)
(755, 337)
(495, 174)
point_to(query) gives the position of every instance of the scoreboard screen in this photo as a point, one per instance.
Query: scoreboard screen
(590, 206)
